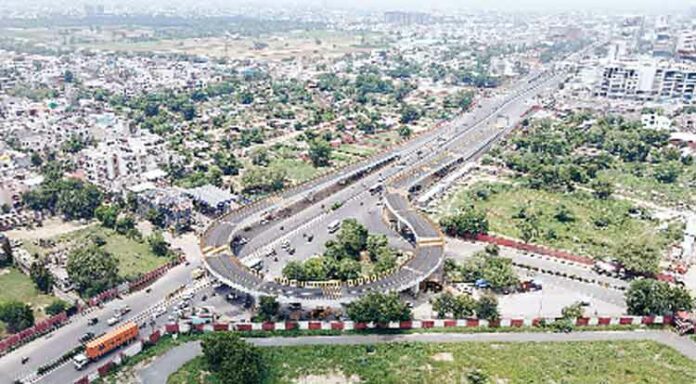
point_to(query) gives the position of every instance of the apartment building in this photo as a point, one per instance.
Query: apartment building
(647, 80)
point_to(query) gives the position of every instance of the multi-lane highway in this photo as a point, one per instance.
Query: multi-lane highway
(403, 171)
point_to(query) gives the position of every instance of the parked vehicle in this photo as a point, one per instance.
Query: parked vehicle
(92, 321)
(100, 346)
(334, 226)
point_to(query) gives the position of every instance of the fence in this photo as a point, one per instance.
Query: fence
(31, 333)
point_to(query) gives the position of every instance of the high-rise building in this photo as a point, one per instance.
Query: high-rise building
(647, 80)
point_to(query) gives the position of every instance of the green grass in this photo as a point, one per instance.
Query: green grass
(14, 285)
(134, 257)
(638, 181)
(572, 362)
(298, 171)
(357, 150)
(383, 139)
(581, 236)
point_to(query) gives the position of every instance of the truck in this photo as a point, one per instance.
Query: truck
(102, 345)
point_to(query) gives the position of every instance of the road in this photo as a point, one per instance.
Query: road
(421, 157)
(162, 367)
(49, 348)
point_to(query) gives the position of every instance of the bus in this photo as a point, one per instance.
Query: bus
(334, 226)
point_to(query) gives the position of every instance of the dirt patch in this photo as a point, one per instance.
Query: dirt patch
(330, 378)
(442, 356)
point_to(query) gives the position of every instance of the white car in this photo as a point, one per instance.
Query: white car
(113, 320)
(160, 311)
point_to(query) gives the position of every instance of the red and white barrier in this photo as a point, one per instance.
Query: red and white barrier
(419, 324)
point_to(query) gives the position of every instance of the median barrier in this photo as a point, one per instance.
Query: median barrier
(268, 326)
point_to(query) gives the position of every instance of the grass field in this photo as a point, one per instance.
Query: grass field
(14, 285)
(581, 236)
(134, 257)
(642, 184)
(510, 363)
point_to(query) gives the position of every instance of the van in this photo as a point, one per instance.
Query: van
(334, 226)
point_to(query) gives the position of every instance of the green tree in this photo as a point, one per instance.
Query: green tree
(409, 114)
(41, 277)
(639, 256)
(443, 304)
(499, 273)
(667, 173)
(405, 132)
(268, 308)
(646, 297)
(487, 307)
(17, 316)
(379, 308)
(125, 224)
(6, 250)
(107, 215)
(259, 156)
(294, 270)
(348, 269)
(375, 244)
(233, 360)
(156, 217)
(352, 236)
(158, 244)
(92, 269)
(320, 153)
(602, 189)
(56, 307)
(573, 311)
(468, 222)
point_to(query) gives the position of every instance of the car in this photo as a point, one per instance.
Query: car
(113, 320)
(86, 337)
(310, 237)
(285, 244)
(92, 321)
(291, 250)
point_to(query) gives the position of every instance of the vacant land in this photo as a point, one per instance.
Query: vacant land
(134, 257)
(595, 227)
(573, 362)
(638, 180)
(14, 285)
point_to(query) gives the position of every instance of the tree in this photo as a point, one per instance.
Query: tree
(158, 244)
(294, 270)
(646, 297)
(56, 307)
(487, 307)
(259, 156)
(469, 222)
(227, 162)
(107, 215)
(125, 224)
(638, 256)
(667, 173)
(41, 277)
(320, 152)
(68, 76)
(6, 250)
(564, 214)
(348, 269)
(405, 131)
(352, 236)
(375, 244)
(92, 269)
(573, 311)
(156, 217)
(602, 189)
(268, 308)
(17, 316)
(499, 273)
(409, 114)
(379, 308)
(233, 360)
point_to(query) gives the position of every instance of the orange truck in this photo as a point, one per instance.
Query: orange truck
(106, 343)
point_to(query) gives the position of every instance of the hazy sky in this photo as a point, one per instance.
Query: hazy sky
(533, 5)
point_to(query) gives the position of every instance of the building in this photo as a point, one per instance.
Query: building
(647, 80)
(175, 206)
(406, 18)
